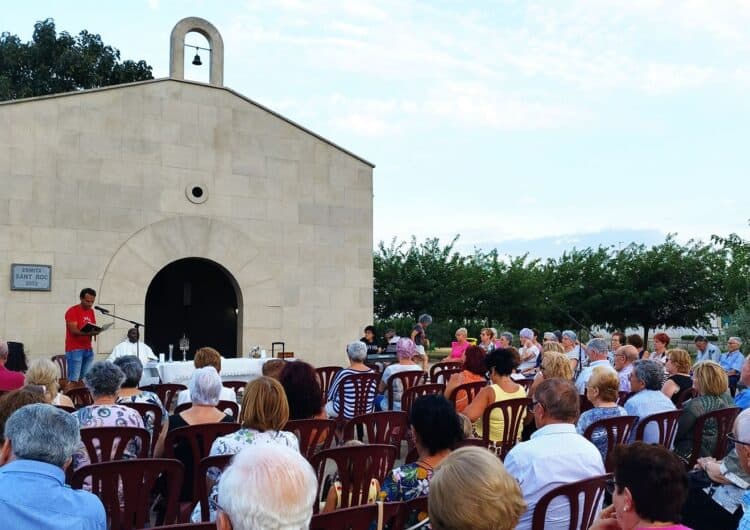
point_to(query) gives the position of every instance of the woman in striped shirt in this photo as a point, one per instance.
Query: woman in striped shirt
(357, 352)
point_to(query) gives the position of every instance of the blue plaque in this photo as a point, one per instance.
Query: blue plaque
(27, 277)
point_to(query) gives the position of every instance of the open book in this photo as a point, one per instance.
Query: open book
(93, 328)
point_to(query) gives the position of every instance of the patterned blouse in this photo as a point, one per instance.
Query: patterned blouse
(599, 436)
(233, 443)
(150, 398)
(106, 416)
(692, 410)
(406, 482)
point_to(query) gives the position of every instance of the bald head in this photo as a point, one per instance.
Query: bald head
(630, 352)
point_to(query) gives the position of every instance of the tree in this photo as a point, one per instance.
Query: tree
(666, 285)
(52, 63)
(737, 278)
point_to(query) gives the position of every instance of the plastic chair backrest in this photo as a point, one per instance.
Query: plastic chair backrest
(104, 444)
(314, 435)
(230, 408)
(81, 397)
(410, 395)
(618, 432)
(436, 368)
(585, 498)
(683, 396)
(404, 380)
(724, 421)
(136, 478)
(166, 392)
(325, 376)
(387, 427)
(513, 411)
(217, 461)
(666, 423)
(152, 415)
(471, 389)
(356, 466)
(358, 517)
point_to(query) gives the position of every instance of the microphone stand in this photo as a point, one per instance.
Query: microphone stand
(136, 325)
(581, 329)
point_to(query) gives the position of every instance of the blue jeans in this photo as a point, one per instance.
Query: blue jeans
(79, 362)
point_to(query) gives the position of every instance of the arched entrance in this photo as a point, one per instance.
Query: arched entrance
(197, 297)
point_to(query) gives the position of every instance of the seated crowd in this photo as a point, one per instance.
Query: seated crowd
(569, 391)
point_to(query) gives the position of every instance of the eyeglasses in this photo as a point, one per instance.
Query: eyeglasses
(733, 438)
(610, 486)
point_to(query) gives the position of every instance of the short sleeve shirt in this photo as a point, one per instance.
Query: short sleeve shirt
(81, 317)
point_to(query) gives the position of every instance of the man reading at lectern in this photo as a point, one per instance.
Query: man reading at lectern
(133, 346)
(78, 352)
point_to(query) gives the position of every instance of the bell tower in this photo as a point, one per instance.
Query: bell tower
(177, 48)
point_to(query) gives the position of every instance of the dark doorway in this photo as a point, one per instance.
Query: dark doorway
(197, 297)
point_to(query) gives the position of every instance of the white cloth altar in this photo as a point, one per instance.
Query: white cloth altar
(241, 369)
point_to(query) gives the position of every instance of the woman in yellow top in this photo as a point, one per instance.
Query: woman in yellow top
(501, 363)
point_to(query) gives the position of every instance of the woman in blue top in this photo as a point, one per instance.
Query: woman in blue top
(601, 390)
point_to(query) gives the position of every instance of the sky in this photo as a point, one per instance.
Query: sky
(523, 126)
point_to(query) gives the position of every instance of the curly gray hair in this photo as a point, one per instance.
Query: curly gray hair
(104, 379)
(650, 373)
(132, 367)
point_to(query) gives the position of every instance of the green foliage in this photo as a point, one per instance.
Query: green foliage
(737, 278)
(740, 323)
(52, 63)
(665, 285)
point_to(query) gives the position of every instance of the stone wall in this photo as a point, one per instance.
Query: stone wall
(94, 184)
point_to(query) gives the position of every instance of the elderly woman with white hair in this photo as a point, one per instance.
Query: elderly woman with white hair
(357, 353)
(283, 487)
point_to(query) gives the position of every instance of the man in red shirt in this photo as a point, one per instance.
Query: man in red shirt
(9, 380)
(78, 351)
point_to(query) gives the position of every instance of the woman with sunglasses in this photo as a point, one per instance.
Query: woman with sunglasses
(648, 489)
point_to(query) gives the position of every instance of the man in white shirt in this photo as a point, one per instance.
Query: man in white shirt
(133, 346)
(528, 351)
(597, 352)
(555, 455)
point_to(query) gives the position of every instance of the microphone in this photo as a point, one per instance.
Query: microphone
(101, 309)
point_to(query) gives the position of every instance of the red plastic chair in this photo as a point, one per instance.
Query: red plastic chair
(585, 404)
(387, 427)
(325, 376)
(137, 479)
(622, 397)
(618, 432)
(237, 386)
(403, 380)
(356, 466)
(314, 435)
(151, 415)
(413, 511)
(358, 518)
(666, 423)
(585, 498)
(198, 438)
(104, 444)
(683, 396)
(61, 407)
(436, 368)
(410, 395)
(724, 421)
(443, 376)
(362, 388)
(471, 442)
(62, 364)
(229, 408)
(217, 461)
(471, 389)
(166, 392)
(373, 366)
(81, 397)
(513, 411)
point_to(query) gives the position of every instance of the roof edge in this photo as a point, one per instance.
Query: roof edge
(196, 83)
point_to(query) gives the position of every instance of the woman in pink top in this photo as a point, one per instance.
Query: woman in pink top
(648, 490)
(458, 346)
